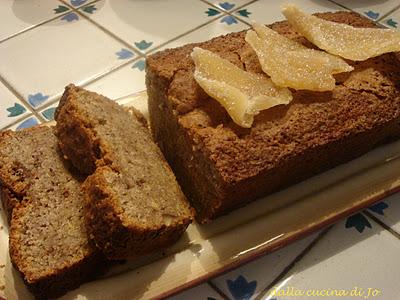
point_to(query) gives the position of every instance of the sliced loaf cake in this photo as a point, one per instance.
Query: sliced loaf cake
(222, 166)
(48, 240)
(133, 202)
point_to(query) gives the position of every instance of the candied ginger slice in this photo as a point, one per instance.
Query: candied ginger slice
(291, 64)
(341, 39)
(242, 94)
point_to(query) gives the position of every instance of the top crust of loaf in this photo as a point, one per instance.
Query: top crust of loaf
(365, 98)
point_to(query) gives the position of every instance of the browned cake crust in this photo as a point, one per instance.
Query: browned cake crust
(8, 201)
(133, 202)
(221, 166)
(47, 237)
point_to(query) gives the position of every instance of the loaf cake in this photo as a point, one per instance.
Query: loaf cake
(133, 203)
(221, 166)
(47, 237)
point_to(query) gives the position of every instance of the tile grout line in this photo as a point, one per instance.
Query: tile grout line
(286, 270)
(227, 11)
(232, 11)
(108, 32)
(111, 71)
(21, 98)
(375, 21)
(388, 13)
(224, 13)
(44, 22)
(17, 121)
(218, 290)
(77, 7)
(183, 34)
(382, 224)
(342, 6)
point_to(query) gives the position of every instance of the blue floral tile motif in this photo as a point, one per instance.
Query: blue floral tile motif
(226, 5)
(378, 208)
(229, 20)
(243, 13)
(90, 9)
(60, 9)
(241, 289)
(124, 54)
(371, 14)
(70, 17)
(212, 12)
(49, 113)
(16, 110)
(143, 45)
(358, 221)
(77, 2)
(27, 123)
(391, 23)
(37, 99)
(140, 65)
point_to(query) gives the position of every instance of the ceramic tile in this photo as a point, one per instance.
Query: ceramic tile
(17, 16)
(373, 9)
(229, 5)
(11, 109)
(48, 112)
(130, 20)
(357, 254)
(270, 11)
(204, 33)
(248, 281)
(26, 123)
(388, 211)
(203, 291)
(57, 57)
(77, 3)
(392, 20)
(122, 82)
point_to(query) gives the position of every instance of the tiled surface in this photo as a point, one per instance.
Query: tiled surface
(130, 20)
(122, 82)
(388, 212)
(210, 30)
(346, 259)
(375, 9)
(102, 45)
(256, 278)
(392, 20)
(265, 11)
(17, 16)
(25, 123)
(40, 62)
(11, 109)
(229, 5)
(48, 112)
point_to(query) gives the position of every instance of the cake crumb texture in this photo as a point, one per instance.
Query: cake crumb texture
(134, 204)
(48, 240)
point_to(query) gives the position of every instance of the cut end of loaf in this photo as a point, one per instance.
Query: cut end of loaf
(140, 198)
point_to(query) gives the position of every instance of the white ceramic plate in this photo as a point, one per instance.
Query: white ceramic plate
(263, 226)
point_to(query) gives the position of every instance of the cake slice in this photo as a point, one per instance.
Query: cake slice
(221, 166)
(48, 240)
(133, 202)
